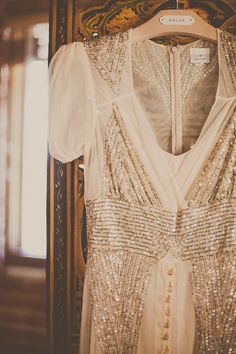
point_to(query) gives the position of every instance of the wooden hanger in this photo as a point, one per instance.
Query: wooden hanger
(156, 27)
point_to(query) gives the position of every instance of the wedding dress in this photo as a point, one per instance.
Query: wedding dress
(156, 126)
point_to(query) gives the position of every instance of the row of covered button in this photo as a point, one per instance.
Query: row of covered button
(167, 311)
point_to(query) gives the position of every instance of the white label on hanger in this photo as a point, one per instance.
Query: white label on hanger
(200, 55)
(177, 20)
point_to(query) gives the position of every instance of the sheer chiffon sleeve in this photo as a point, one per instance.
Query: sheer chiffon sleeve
(71, 103)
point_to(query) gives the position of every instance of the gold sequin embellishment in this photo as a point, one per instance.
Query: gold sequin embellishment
(125, 240)
(129, 230)
(108, 54)
(125, 176)
(229, 48)
(217, 179)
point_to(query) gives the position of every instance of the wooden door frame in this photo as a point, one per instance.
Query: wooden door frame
(64, 214)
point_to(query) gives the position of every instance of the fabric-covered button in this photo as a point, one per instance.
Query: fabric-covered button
(170, 271)
(174, 49)
(165, 336)
(168, 312)
(167, 324)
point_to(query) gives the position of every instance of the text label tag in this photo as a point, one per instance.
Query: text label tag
(200, 55)
(177, 20)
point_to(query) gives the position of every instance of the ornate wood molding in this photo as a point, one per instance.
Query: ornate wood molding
(65, 208)
(116, 16)
(57, 213)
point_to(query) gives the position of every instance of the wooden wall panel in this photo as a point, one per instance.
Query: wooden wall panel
(72, 20)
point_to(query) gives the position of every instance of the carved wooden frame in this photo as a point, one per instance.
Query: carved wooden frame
(65, 266)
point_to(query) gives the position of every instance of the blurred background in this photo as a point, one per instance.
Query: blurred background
(24, 33)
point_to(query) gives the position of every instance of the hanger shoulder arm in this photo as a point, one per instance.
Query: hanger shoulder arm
(154, 28)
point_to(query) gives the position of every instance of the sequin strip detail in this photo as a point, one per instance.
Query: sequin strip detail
(124, 240)
(152, 231)
(229, 49)
(217, 180)
(125, 175)
(108, 55)
(156, 72)
(118, 282)
(128, 231)
(191, 74)
(130, 222)
(214, 284)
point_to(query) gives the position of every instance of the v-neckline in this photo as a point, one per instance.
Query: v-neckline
(205, 129)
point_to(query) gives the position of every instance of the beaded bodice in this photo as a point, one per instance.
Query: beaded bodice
(129, 229)
(158, 72)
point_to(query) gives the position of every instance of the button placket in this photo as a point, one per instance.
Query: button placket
(168, 310)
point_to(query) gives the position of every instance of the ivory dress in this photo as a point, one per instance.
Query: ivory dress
(156, 126)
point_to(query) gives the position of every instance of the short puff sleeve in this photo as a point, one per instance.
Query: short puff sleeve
(71, 103)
